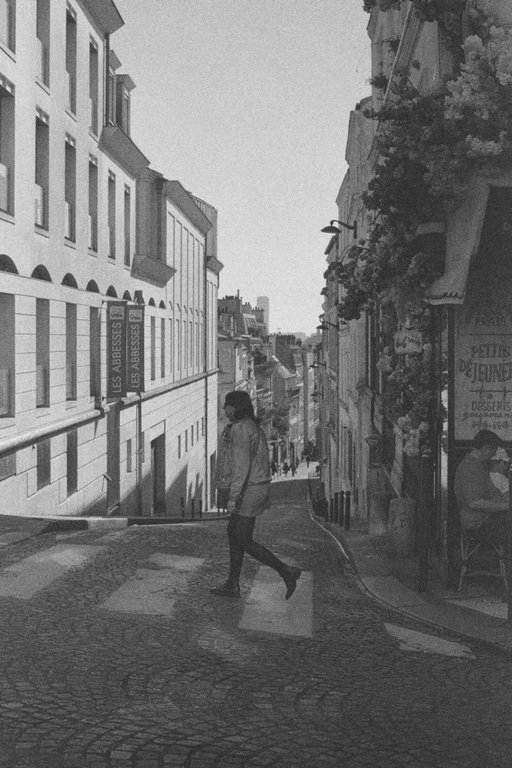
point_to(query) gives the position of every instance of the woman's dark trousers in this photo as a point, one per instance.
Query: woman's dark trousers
(240, 541)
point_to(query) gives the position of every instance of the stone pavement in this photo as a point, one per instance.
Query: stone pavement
(102, 667)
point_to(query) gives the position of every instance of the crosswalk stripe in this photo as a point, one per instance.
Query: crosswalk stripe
(24, 579)
(154, 592)
(266, 609)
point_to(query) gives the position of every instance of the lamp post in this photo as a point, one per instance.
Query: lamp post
(332, 230)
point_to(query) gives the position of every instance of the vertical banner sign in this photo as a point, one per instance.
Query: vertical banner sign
(116, 349)
(483, 370)
(135, 349)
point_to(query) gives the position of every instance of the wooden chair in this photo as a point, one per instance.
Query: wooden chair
(471, 542)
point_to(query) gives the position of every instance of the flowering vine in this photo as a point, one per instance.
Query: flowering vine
(429, 147)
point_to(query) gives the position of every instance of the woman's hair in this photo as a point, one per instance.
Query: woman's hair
(242, 404)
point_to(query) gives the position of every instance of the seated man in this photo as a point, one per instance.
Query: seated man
(500, 466)
(482, 506)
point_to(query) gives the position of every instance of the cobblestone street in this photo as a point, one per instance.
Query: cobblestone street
(88, 682)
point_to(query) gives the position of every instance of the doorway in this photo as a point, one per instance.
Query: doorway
(158, 475)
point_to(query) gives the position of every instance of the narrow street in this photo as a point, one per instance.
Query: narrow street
(114, 653)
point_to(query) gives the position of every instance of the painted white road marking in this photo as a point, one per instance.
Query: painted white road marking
(266, 610)
(409, 640)
(32, 574)
(155, 592)
(488, 605)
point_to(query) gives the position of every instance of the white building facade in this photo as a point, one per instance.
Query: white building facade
(84, 223)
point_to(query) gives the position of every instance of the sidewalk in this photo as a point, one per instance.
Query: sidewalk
(479, 611)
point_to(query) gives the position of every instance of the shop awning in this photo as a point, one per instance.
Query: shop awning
(463, 232)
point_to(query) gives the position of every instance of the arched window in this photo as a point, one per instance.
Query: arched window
(151, 303)
(111, 291)
(7, 264)
(126, 295)
(69, 280)
(92, 287)
(41, 273)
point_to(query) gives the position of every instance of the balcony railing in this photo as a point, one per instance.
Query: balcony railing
(71, 380)
(93, 108)
(40, 208)
(6, 22)
(69, 220)
(111, 241)
(42, 386)
(5, 391)
(4, 188)
(43, 62)
(93, 232)
(71, 91)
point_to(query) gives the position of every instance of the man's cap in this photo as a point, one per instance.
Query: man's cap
(486, 437)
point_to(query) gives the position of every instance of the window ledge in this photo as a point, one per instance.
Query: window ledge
(5, 49)
(41, 231)
(71, 114)
(43, 85)
(7, 217)
(93, 253)
(70, 243)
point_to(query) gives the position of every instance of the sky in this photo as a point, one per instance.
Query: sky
(246, 103)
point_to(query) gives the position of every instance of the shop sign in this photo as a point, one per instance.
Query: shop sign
(408, 342)
(483, 372)
(135, 349)
(116, 349)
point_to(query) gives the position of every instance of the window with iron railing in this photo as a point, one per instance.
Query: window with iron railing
(42, 386)
(71, 351)
(43, 464)
(71, 58)
(7, 23)
(6, 392)
(43, 12)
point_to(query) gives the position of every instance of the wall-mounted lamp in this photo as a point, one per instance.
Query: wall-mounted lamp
(332, 230)
(324, 326)
(315, 365)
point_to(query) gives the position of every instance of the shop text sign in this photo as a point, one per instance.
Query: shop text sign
(116, 349)
(125, 349)
(483, 372)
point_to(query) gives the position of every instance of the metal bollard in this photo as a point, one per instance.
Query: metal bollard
(331, 509)
(347, 510)
(342, 507)
(193, 508)
(337, 508)
(200, 507)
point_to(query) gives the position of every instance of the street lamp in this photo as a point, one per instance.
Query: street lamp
(325, 323)
(332, 230)
(315, 365)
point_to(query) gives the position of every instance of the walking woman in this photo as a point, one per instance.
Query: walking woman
(243, 467)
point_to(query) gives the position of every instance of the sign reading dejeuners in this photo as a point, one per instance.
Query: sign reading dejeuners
(116, 349)
(483, 371)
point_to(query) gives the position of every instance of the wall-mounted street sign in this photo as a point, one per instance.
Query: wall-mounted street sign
(135, 349)
(408, 342)
(116, 349)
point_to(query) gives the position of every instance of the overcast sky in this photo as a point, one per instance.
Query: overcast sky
(246, 103)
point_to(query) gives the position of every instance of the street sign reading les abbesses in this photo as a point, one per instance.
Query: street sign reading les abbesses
(116, 349)
(135, 349)
(125, 349)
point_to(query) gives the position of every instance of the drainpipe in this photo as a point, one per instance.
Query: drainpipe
(106, 67)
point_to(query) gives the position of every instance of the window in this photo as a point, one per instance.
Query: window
(8, 23)
(93, 203)
(129, 456)
(127, 225)
(202, 426)
(70, 189)
(111, 215)
(72, 461)
(43, 40)
(42, 170)
(94, 352)
(171, 348)
(124, 85)
(191, 344)
(6, 145)
(93, 86)
(178, 344)
(43, 464)
(153, 348)
(162, 348)
(70, 351)
(186, 440)
(192, 435)
(111, 95)
(184, 346)
(71, 58)
(42, 353)
(179, 446)
(7, 354)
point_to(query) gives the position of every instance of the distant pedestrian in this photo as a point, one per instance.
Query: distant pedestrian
(273, 469)
(307, 460)
(297, 462)
(286, 468)
(244, 468)
(294, 468)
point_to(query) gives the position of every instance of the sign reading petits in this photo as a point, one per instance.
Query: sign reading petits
(483, 371)
(408, 342)
(116, 349)
(135, 349)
